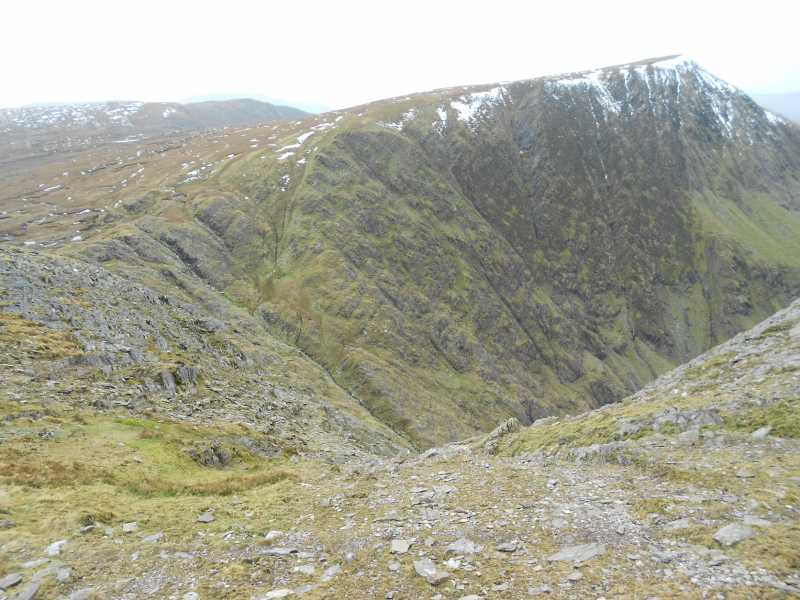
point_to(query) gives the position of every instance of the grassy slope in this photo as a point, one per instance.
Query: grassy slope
(63, 469)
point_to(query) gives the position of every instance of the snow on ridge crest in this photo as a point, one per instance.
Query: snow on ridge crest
(773, 118)
(70, 115)
(593, 80)
(469, 105)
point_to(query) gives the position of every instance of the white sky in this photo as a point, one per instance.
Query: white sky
(341, 53)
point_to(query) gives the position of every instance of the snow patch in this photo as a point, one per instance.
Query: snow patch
(773, 118)
(674, 63)
(285, 148)
(302, 138)
(593, 81)
(470, 105)
(409, 115)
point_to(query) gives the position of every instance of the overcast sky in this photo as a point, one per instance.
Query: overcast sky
(342, 53)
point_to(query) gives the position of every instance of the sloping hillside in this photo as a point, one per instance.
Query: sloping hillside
(689, 489)
(31, 133)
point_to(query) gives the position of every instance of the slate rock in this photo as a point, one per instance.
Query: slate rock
(10, 581)
(761, 433)
(54, 549)
(279, 551)
(401, 546)
(678, 524)
(580, 553)
(29, 592)
(538, 591)
(331, 572)
(305, 569)
(754, 521)
(273, 535)
(464, 546)
(511, 546)
(211, 454)
(426, 568)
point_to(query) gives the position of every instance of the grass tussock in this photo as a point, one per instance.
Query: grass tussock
(783, 417)
(234, 484)
(35, 340)
(18, 469)
(776, 548)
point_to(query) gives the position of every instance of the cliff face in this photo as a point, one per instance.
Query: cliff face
(535, 247)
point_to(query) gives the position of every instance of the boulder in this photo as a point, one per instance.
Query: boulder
(426, 568)
(733, 534)
(464, 546)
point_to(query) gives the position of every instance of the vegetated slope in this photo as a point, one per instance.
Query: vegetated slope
(456, 257)
(689, 489)
(75, 337)
(32, 131)
(532, 248)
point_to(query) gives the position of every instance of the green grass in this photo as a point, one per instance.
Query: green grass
(106, 471)
(782, 416)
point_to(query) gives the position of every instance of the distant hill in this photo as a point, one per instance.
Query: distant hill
(787, 105)
(30, 131)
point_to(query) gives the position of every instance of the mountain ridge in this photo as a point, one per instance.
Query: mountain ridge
(472, 253)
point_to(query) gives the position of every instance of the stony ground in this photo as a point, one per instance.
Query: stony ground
(689, 489)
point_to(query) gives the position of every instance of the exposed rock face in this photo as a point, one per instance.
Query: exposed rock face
(510, 426)
(212, 455)
(523, 250)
